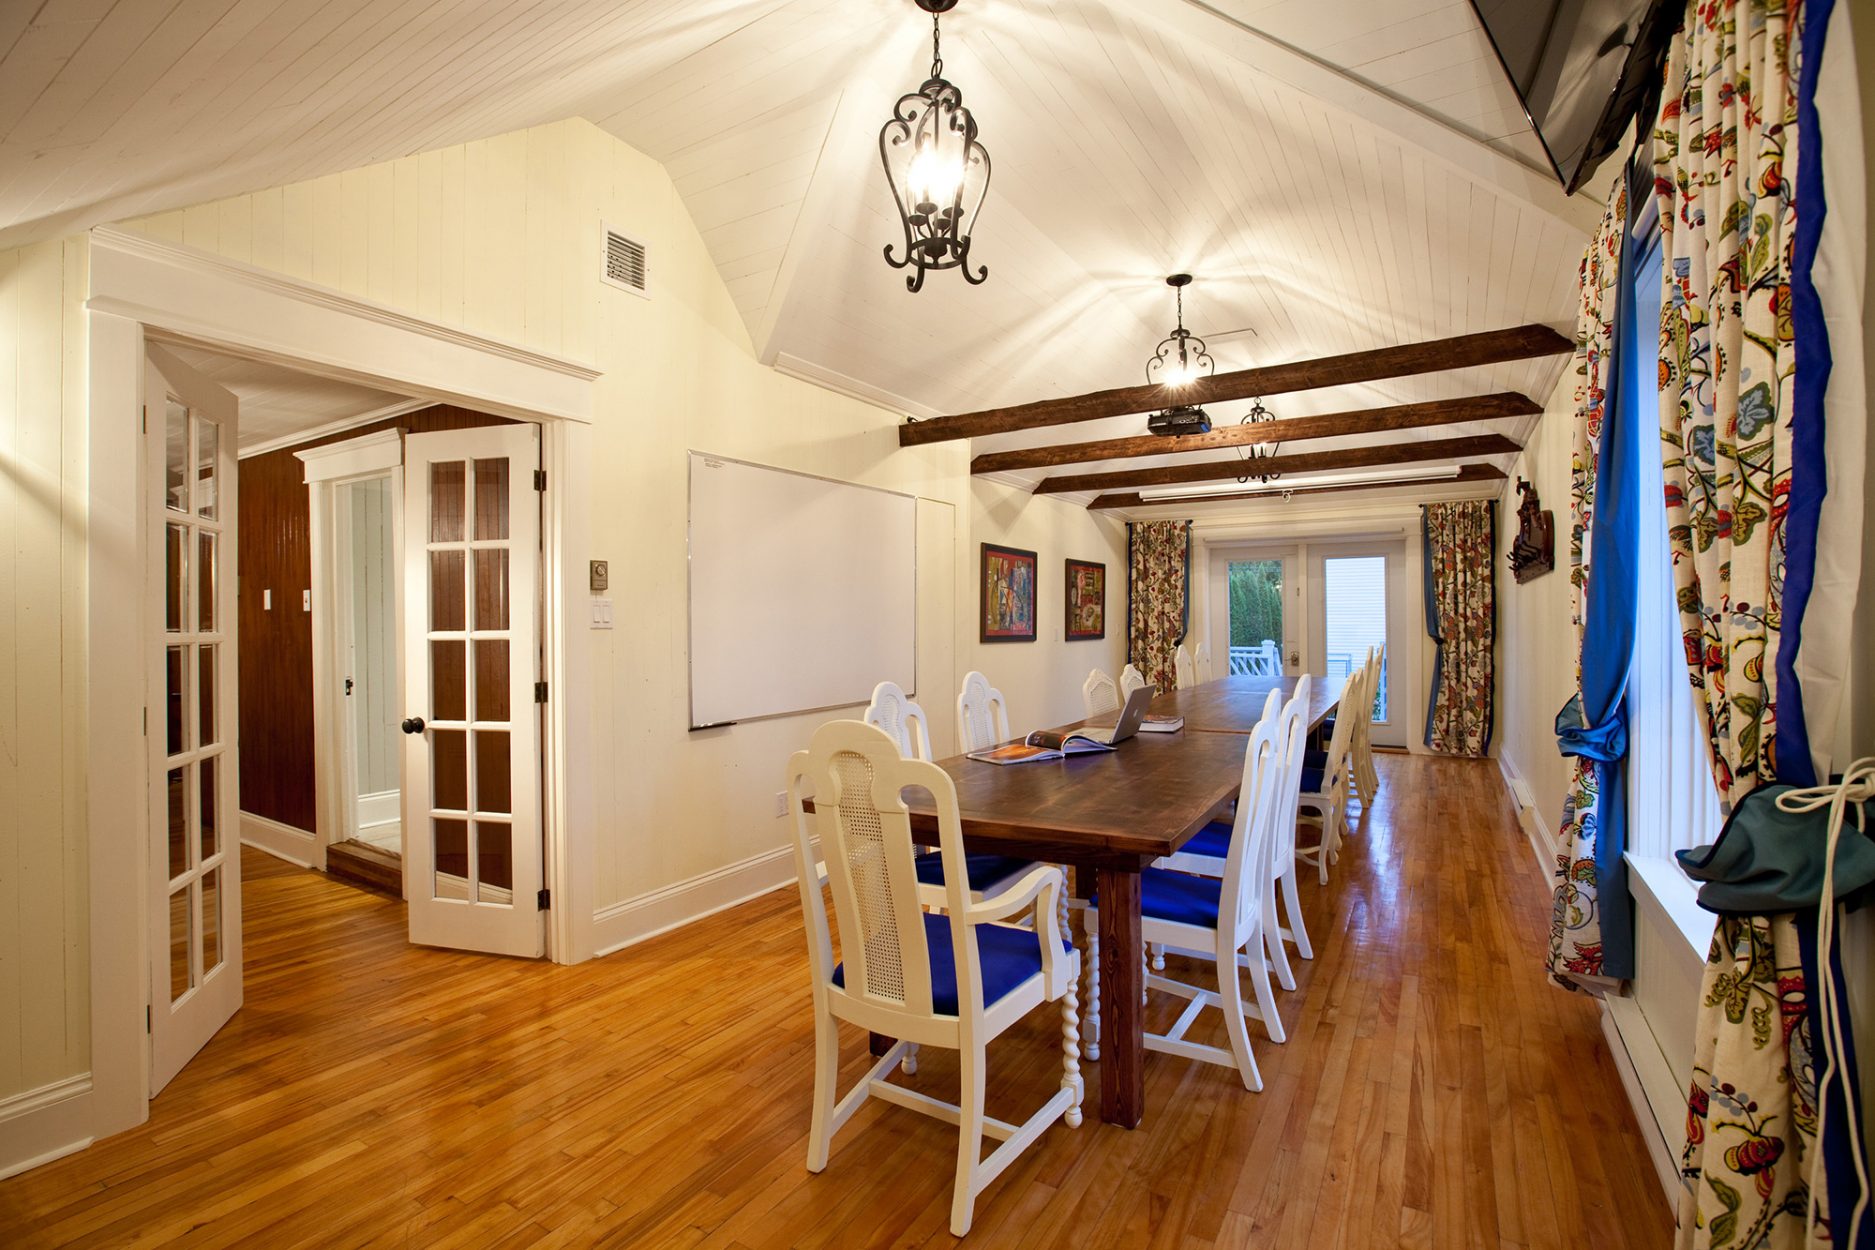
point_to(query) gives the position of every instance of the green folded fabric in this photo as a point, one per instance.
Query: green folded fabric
(1768, 860)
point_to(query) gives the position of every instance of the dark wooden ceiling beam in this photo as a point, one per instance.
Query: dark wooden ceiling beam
(1470, 474)
(1434, 356)
(1283, 430)
(1300, 462)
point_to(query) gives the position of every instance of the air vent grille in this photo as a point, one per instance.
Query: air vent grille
(625, 263)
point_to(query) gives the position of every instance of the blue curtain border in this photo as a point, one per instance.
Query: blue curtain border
(1429, 594)
(1810, 338)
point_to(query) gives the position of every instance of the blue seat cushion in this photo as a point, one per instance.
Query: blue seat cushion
(1311, 780)
(1179, 897)
(983, 871)
(1007, 957)
(1212, 840)
(1317, 760)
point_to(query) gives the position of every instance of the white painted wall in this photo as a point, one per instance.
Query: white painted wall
(1536, 650)
(44, 868)
(500, 237)
(1041, 679)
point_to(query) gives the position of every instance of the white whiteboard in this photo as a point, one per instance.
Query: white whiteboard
(803, 591)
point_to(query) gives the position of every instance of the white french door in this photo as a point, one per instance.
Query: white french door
(1256, 609)
(1319, 605)
(472, 760)
(1359, 597)
(195, 846)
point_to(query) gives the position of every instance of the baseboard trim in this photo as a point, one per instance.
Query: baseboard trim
(382, 808)
(44, 1124)
(1528, 818)
(295, 846)
(1635, 1082)
(638, 919)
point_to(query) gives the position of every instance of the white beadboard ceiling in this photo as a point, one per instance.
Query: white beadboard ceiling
(280, 405)
(1339, 174)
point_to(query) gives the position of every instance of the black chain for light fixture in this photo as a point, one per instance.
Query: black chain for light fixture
(938, 171)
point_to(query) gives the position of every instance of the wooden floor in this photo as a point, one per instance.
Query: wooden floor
(1434, 1092)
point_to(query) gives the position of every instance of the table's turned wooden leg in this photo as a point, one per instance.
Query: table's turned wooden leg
(1122, 1024)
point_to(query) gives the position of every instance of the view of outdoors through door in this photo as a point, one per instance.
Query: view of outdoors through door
(472, 819)
(1256, 617)
(195, 981)
(1354, 618)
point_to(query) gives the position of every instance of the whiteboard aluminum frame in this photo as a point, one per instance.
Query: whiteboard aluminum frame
(690, 607)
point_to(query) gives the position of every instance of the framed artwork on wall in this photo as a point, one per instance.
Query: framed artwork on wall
(1087, 600)
(1006, 611)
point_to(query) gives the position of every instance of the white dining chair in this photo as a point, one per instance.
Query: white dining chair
(955, 979)
(1222, 917)
(982, 714)
(1324, 791)
(1131, 679)
(905, 723)
(1184, 669)
(1206, 851)
(893, 712)
(1099, 694)
(1201, 657)
(1366, 780)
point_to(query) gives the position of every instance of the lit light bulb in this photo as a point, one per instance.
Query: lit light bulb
(1179, 373)
(934, 176)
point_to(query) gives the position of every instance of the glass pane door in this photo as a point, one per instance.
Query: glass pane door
(1361, 598)
(1253, 610)
(472, 808)
(195, 866)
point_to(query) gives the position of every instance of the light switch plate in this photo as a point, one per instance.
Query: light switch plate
(602, 614)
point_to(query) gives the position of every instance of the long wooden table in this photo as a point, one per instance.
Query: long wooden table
(1233, 704)
(1108, 816)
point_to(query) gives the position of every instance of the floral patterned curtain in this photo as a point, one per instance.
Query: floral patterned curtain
(1575, 941)
(1157, 592)
(1461, 606)
(1725, 173)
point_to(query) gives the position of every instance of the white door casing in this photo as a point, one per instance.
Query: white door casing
(472, 754)
(194, 866)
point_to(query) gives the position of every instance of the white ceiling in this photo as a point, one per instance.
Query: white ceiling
(1339, 174)
(279, 405)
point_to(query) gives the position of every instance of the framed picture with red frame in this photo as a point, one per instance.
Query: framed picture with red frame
(1086, 601)
(1006, 609)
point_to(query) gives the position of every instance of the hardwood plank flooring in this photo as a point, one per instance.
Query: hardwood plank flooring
(1434, 1091)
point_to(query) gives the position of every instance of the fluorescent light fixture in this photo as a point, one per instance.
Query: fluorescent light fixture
(1420, 473)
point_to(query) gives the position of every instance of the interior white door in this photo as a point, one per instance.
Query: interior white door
(472, 760)
(195, 855)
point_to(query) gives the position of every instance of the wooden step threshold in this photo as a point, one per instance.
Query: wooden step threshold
(372, 868)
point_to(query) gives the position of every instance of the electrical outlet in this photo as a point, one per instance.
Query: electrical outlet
(781, 804)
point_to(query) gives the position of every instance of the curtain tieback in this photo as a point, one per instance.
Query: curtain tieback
(1604, 743)
(1857, 786)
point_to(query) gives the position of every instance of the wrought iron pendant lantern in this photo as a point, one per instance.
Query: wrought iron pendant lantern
(938, 171)
(1180, 360)
(1261, 451)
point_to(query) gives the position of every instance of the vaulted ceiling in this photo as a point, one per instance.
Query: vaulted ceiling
(1340, 175)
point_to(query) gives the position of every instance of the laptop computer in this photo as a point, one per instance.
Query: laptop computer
(1128, 724)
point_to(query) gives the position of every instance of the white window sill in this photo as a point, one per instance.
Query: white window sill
(1658, 884)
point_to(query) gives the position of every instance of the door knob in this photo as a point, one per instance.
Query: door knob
(348, 687)
(413, 725)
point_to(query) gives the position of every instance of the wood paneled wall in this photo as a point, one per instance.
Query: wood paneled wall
(276, 645)
(45, 1023)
